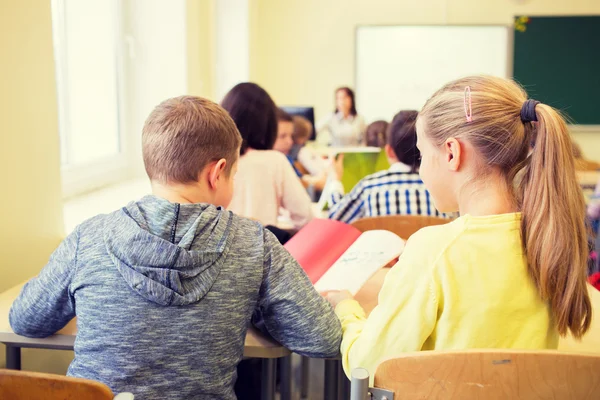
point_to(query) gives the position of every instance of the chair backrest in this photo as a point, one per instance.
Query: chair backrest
(402, 225)
(491, 374)
(21, 385)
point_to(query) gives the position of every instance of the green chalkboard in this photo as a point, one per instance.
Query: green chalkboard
(557, 60)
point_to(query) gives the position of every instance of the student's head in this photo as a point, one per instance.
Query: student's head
(402, 140)
(303, 130)
(376, 133)
(344, 101)
(480, 131)
(285, 130)
(192, 143)
(253, 112)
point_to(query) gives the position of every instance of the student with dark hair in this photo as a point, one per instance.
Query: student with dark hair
(376, 136)
(345, 126)
(395, 191)
(285, 133)
(265, 180)
(253, 111)
(402, 140)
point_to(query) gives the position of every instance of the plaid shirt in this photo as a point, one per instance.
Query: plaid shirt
(395, 191)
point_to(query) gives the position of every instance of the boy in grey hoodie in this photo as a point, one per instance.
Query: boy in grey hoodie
(164, 289)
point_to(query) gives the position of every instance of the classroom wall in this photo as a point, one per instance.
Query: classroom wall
(232, 62)
(200, 25)
(156, 64)
(302, 50)
(30, 205)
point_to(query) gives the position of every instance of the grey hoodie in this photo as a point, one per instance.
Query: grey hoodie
(164, 294)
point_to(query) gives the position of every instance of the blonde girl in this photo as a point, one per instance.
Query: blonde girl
(511, 271)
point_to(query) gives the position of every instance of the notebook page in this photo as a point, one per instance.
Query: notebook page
(320, 244)
(370, 252)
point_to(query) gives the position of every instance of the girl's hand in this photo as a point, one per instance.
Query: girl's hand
(334, 297)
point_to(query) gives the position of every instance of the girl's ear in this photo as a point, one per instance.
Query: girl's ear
(216, 171)
(453, 153)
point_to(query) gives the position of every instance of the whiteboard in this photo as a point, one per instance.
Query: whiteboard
(400, 67)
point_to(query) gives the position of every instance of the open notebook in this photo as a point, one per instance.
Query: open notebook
(337, 256)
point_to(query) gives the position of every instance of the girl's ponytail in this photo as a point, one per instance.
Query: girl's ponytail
(553, 225)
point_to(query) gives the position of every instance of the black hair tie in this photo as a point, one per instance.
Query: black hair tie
(528, 111)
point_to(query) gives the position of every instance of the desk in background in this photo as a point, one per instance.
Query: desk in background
(284, 222)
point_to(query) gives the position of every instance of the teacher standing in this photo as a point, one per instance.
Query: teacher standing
(345, 126)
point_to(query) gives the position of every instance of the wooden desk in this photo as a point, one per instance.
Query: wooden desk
(256, 345)
(284, 222)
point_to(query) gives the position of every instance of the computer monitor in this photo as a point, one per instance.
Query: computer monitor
(306, 112)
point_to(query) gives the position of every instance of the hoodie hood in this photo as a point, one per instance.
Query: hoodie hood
(169, 253)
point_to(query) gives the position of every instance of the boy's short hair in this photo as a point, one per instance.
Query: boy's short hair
(302, 128)
(402, 137)
(182, 135)
(376, 133)
(283, 116)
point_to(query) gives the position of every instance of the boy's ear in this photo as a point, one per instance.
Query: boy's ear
(453, 154)
(389, 152)
(216, 171)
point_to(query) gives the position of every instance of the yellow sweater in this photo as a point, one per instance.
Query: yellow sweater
(456, 286)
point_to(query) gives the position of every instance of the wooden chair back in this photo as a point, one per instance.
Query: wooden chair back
(402, 225)
(22, 385)
(491, 374)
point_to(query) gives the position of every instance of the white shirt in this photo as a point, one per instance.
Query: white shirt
(348, 131)
(314, 163)
(266, 181)
(395, 191)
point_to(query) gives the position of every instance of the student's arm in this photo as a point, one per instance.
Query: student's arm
(294, 197)
(405, 317)
(46, 303)
(292, 311)
(346, 208)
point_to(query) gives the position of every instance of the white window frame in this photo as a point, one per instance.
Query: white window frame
(85, 177)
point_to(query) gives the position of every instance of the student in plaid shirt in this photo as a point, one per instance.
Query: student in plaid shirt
(395, 191)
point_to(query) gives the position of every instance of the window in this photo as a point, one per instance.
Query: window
(87, 45)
